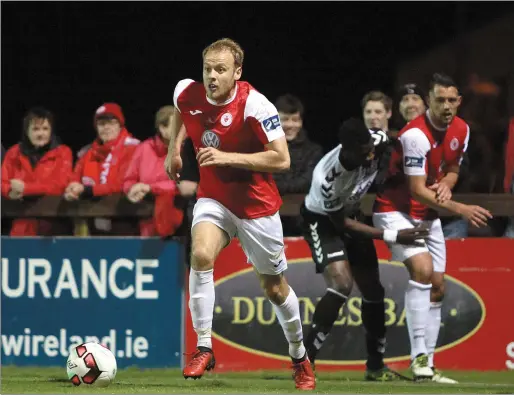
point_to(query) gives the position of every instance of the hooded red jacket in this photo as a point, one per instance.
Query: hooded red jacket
(50, 176)
(147, 166)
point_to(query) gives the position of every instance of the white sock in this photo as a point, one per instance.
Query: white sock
(417, 305)
(288, 314)
(201, 304)
(432, 330)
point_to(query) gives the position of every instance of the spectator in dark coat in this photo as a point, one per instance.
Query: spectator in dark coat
(304, 153)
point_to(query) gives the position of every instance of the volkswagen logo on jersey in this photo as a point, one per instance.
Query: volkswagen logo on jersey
(210, 139)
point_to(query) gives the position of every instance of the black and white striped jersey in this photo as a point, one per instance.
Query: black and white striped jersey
(333, 187)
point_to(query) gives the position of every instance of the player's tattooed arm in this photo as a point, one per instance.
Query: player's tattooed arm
(274, 158)
(419, 191)
(444, 187)
(451, 177)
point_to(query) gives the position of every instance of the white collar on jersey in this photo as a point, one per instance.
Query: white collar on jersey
(432, 123)
(229, 100)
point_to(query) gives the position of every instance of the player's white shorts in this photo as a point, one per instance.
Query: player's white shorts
(262, 238)
(435, 243)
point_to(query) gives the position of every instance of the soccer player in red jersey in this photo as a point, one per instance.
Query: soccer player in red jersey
(239, 141)
(423, 169)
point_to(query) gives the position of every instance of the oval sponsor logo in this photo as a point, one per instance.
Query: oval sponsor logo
(245, 319)
(210, 139)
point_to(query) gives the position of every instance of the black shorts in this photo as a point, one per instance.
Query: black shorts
(328, 245)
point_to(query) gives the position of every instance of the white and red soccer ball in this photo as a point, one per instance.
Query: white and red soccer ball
(91, 364)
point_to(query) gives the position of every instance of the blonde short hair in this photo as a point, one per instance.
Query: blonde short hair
(162, 116)
(230, 45)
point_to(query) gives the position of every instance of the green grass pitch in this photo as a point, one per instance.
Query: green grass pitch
(17, 380)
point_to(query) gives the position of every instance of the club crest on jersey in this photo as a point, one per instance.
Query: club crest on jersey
(210, 139)
(454, 144)
(226, 119)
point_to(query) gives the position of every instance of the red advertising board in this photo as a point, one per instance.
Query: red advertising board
(477, 330)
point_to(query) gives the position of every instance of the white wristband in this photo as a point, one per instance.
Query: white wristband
(390, 235)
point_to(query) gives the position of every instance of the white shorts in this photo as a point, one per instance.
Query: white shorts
(435, 243)
(261, 238)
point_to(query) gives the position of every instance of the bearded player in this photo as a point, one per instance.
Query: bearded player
(423, 169)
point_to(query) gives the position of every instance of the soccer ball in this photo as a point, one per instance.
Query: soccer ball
(92, 364)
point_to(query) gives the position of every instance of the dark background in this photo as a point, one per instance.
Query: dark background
(73, 56)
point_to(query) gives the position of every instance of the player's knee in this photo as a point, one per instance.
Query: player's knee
(338, 277)
(422, 275)
(420, 268)
(275, 295)
(275, 288)
(342, 283)
(437, 292)
(201, 258)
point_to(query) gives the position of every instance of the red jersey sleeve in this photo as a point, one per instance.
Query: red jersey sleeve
(464, 146)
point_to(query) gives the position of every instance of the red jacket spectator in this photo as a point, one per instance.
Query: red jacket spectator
(39, 165)
(147, 168)
(104, 164)
(146, 175)
(101, 169)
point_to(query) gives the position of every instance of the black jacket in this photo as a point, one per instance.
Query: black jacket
(305, 154)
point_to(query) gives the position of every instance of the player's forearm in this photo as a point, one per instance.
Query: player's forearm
(267, 161)
(428, 197)
(346, 224)
(354, 226)
(178, 133)
(176, 140)
(450, 179)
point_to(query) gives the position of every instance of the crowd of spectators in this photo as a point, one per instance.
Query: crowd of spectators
(116, 162)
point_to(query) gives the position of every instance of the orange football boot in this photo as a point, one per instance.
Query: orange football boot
(303, 375)
(202, 360)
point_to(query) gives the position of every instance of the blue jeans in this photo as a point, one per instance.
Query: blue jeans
(509, 232)
(456, 229)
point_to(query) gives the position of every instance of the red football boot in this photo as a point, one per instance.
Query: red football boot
(303, 375)
(202, 360)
